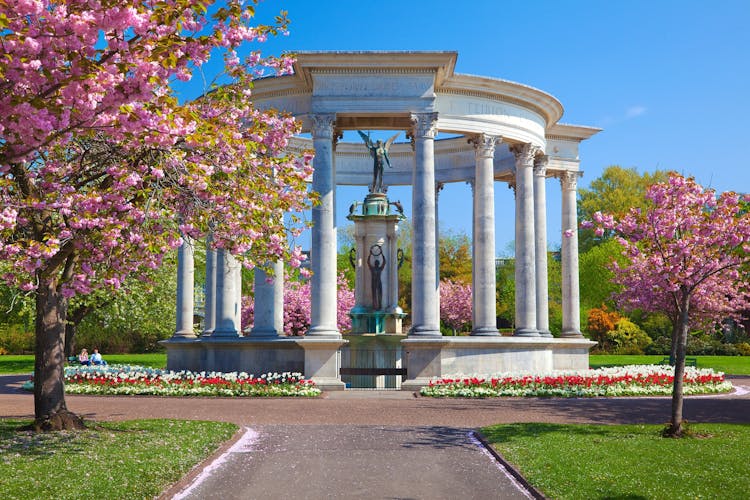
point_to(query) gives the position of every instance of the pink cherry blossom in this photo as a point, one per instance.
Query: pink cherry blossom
(687, 257)
(455, 304)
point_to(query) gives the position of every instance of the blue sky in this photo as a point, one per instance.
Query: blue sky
(668, 81)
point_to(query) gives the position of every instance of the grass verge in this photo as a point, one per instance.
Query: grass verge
(24, 363)
(731, 365)
(626, 461)
(134, 459)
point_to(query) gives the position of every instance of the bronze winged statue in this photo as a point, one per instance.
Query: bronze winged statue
(379, 153)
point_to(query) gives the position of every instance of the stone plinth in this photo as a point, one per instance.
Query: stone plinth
(226, 354)
(323, 361)
(431, 358)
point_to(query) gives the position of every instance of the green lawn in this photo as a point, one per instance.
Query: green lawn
(627, 461)
(25, 363)
(731, 365)
(135, 459)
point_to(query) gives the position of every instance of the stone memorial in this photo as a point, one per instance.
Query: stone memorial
(496, 131)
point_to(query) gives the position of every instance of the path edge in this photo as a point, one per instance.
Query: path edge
(511, 470)
(186, 480)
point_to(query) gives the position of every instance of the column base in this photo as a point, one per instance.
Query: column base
(485, 331)
(571, 334)
(183, 335)
(323, 332)
(545, 333)
(526, 332)
(262, 333)
(229, 334)
(425, 331)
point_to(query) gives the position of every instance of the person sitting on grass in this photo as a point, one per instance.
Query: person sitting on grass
(83, 358)
(96, 358)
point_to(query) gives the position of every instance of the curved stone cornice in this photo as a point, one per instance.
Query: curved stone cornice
(505, 91)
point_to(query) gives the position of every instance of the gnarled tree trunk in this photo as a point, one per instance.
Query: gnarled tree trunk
(50, 411)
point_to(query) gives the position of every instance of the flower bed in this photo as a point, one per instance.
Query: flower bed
(636, 380)
(138, 380)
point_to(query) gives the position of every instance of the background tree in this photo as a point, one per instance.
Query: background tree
(685, 255)
(615, 192)
(454, 249)
(455, 305)
(596, 279)
(102, 170)
(599, 321)
(297, 297)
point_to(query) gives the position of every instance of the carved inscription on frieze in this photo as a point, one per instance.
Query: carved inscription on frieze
(372, 85)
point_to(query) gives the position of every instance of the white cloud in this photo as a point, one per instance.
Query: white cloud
(634, 111)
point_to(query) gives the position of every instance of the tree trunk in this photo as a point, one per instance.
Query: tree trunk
(50, 411)
(676, 428)
(676, 329)
(74, 318)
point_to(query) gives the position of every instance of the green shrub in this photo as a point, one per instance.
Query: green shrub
(655, 325)
(660, 345)
(628, 338)
(15, 339)
(743, 348)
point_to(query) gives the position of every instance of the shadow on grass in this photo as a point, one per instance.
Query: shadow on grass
(17, 439)
(508, 432)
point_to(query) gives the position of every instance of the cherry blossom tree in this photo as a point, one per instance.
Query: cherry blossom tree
(455, 304)
(685, 255)
(297, 307)
(103, 170)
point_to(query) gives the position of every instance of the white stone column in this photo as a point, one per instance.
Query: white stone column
(525, 251)
(540, 233)
(438, 188)
(237, 270)
(185, 284)
(571, 302)
(226, 296)
(323, 258)
(484, 321)
(209, 311)
(425, 317)
(269, 303)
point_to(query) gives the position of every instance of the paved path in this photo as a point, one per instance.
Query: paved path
(348, 461)
(371, 444)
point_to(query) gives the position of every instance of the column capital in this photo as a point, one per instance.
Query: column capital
(322, 125)
(484, 145)
(424, 125)
(569, 179)
(525, 153)
(540, 165)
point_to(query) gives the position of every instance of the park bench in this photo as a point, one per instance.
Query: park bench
(689, 361)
